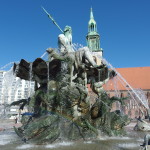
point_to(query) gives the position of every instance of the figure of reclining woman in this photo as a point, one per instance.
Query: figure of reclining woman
(80, 59)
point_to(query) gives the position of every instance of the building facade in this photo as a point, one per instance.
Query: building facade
(138, 96)
(135, 91)
(13, 89)
(137, 77)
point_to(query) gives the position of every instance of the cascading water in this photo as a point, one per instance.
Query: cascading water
(30, 80)
(112, 143)
(47, 76)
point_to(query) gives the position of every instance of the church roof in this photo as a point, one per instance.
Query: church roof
(136, 77)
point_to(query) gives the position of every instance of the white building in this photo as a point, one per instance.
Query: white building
(13, 89)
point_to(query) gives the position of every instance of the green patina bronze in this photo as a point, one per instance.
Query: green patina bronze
(93, 38)
(60, 108)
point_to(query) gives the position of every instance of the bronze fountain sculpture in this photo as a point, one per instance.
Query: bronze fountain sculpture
(60, 107)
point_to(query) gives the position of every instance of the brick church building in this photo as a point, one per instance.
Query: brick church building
(137, 77)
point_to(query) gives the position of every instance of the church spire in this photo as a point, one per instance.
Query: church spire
(93, 38)
(92, 27)
(91, 14)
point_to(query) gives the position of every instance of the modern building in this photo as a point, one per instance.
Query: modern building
(13, 89)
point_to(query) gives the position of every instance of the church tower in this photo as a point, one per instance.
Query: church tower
(93, 38)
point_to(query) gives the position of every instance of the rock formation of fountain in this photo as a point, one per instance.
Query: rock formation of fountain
(60, 108)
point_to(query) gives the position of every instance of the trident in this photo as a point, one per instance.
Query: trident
(54, 22)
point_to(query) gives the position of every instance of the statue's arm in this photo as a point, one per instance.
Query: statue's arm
(55, 55)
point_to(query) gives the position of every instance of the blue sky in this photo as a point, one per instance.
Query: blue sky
(124, 26)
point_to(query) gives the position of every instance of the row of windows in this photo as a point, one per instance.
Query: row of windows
(126, 94)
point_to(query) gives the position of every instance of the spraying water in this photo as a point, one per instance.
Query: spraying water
(30, 79)
(8, 65)
(76, 46)
(140, 96)
(44, 56)
(47, 76)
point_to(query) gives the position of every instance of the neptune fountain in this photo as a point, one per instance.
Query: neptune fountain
(60, 108)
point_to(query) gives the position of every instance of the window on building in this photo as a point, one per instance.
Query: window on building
(122, 95)
(26, 86)
(148, 95)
